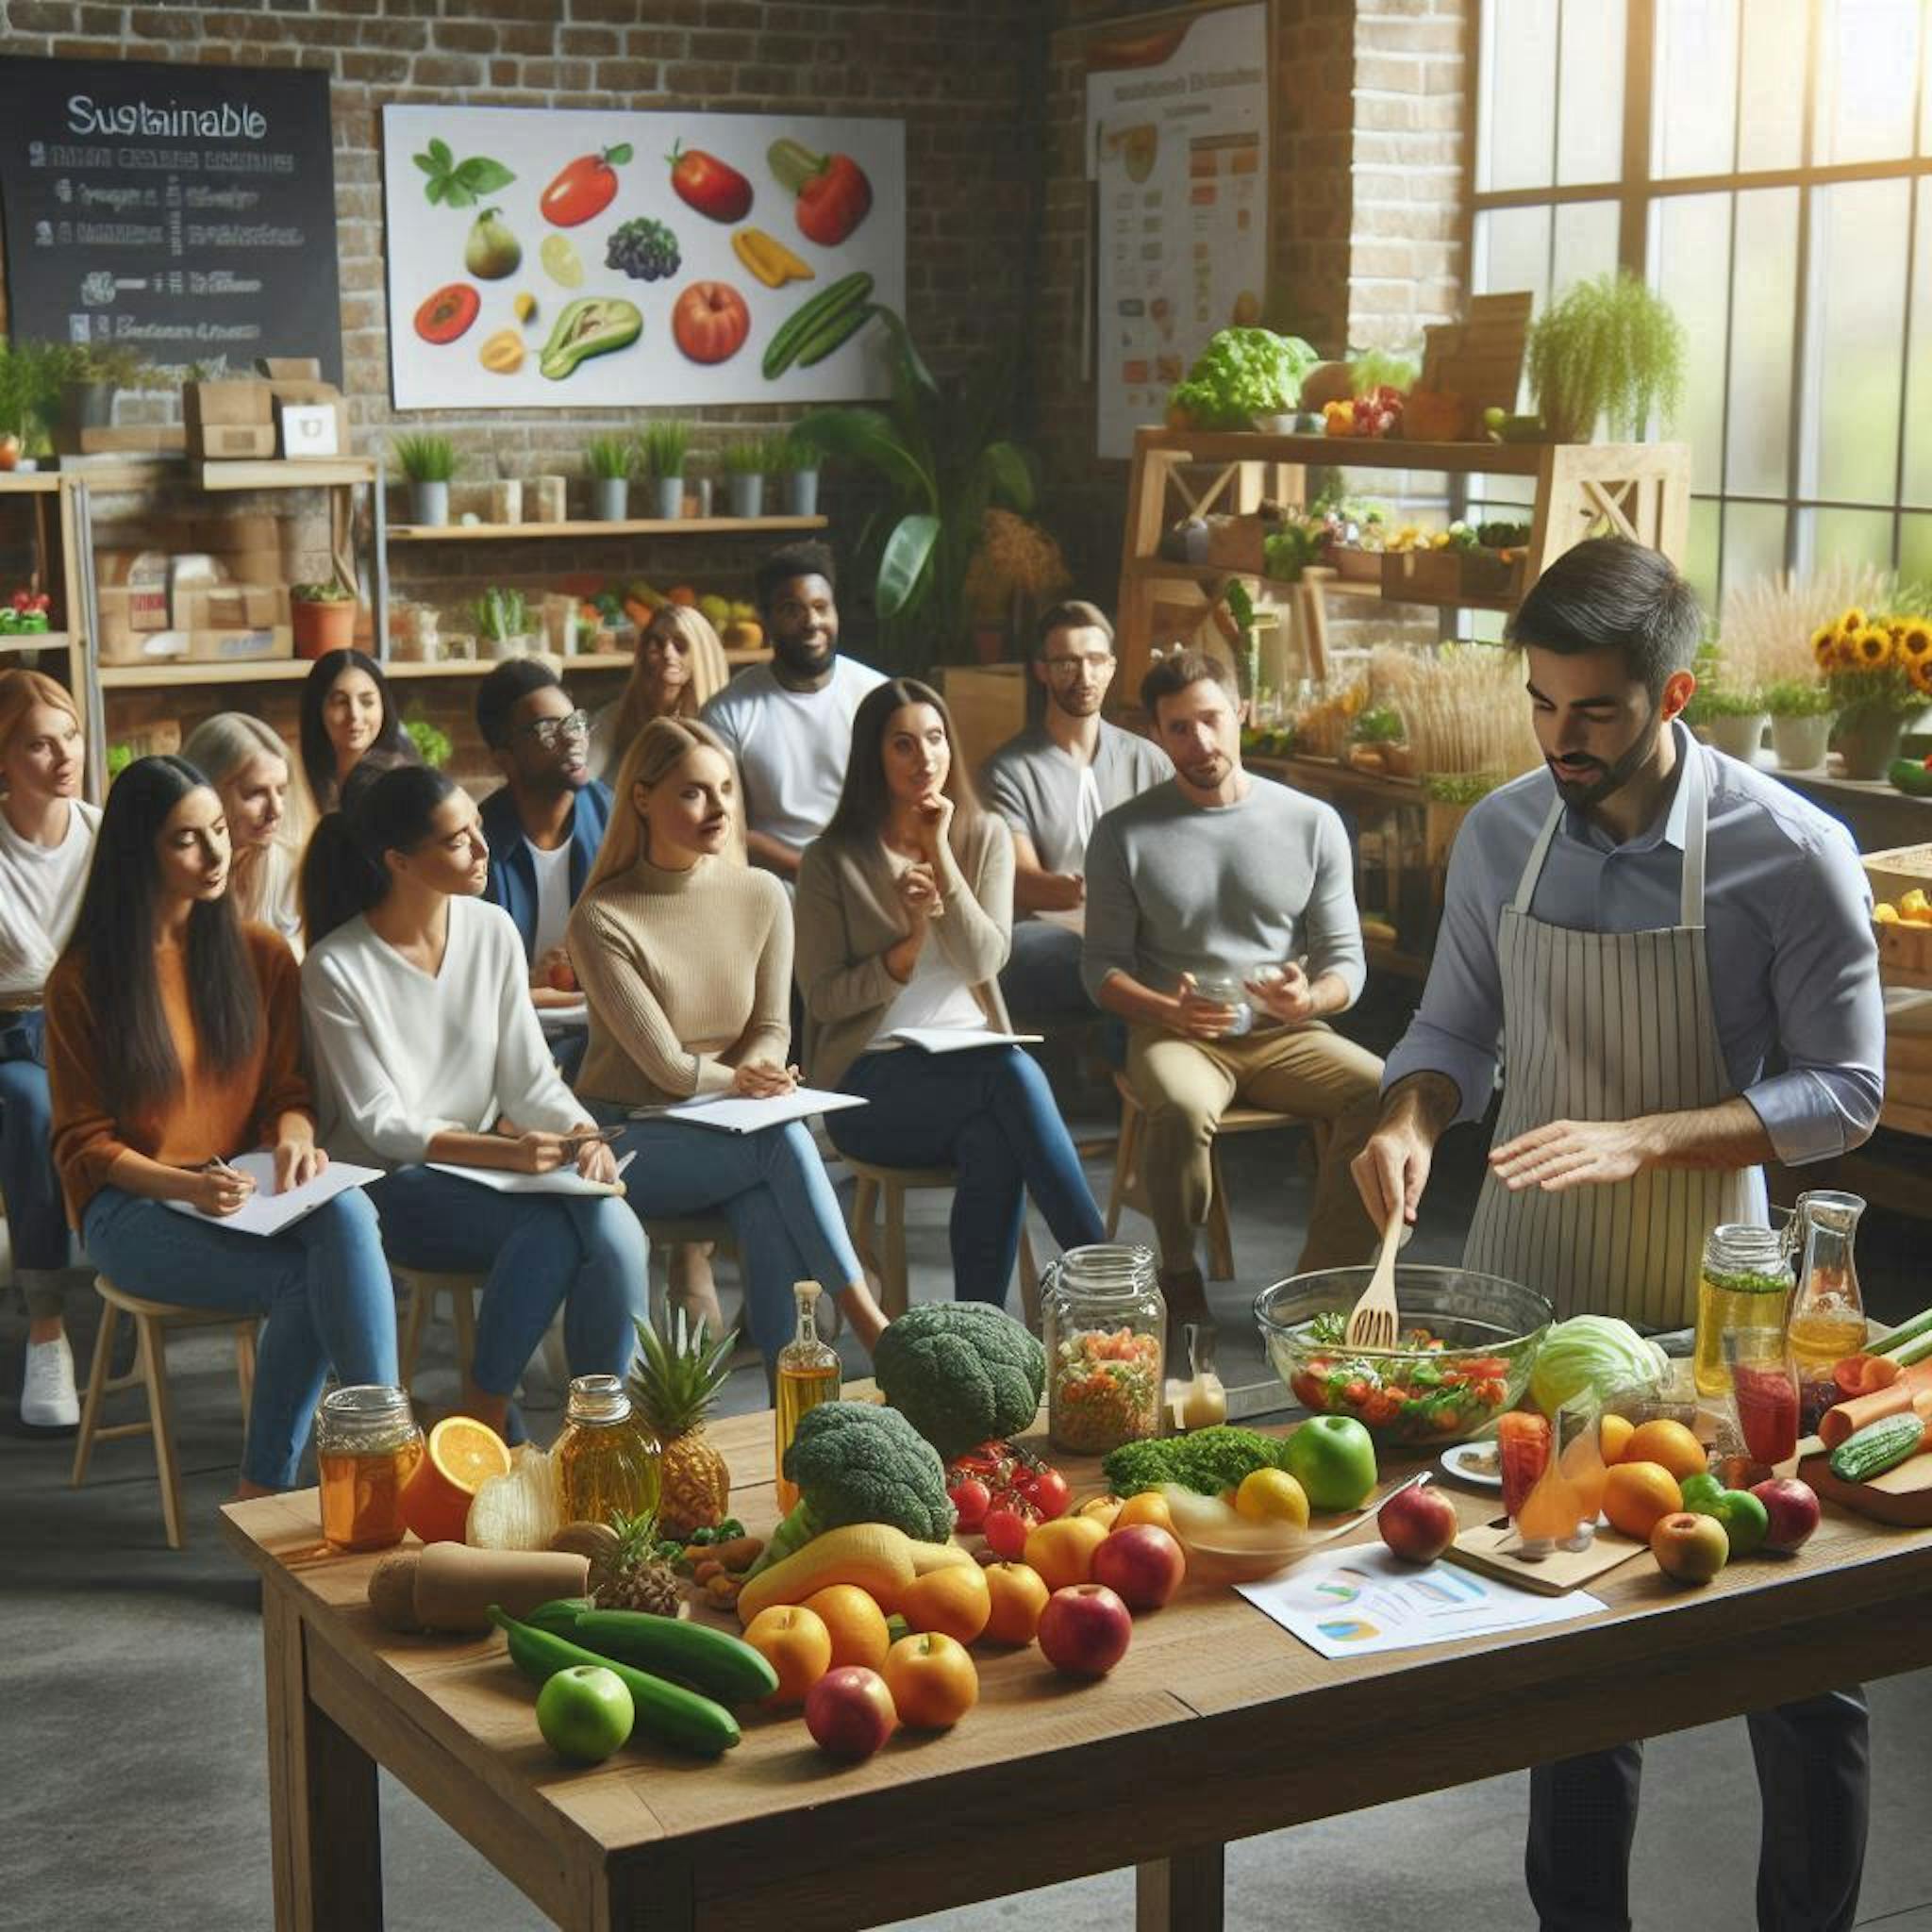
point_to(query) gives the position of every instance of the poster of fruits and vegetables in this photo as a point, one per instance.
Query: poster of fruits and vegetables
(1178, 154)
(569, 258)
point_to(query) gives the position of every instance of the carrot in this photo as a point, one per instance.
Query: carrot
(1846, 1418)
(737, 1553)
(1865, 1374)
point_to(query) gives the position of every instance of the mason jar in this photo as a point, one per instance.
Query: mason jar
(1105, 1329)
(1743, 1285)
(367, 1446)
(606, 1461)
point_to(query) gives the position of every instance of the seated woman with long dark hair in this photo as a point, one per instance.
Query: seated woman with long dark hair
(348, 713)
(173, 1043)
(685, 955)
(426, 1048)
(904, 915)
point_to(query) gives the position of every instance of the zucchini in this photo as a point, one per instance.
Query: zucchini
(1918, 1328)
(809, 317)
(714, 1661)
(835, 334)
(1878, 1446)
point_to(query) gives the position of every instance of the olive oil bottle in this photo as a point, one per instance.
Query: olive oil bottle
(809, 1373)
(606, 1460)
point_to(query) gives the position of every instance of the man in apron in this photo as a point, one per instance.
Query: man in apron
(1632, 935)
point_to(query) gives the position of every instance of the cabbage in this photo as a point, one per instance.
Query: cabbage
(1594, 1352)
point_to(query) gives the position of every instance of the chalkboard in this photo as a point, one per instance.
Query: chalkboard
(187, 214)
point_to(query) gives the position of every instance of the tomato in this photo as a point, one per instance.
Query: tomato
(1049, 1493)
(710, 322)
(447, 314)
(971, 1499)
(715, 187)
(1007, 1529)
(584, 189)
(1382, 1407)
(1491, 1391)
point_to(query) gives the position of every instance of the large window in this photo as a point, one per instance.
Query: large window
(1767, 166)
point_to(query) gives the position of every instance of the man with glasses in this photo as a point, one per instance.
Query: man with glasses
(1051, 784)
(544, 825)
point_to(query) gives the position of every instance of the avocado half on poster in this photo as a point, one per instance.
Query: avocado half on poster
(563, 258)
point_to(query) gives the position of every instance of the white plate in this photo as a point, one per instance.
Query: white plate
(1456, 1461)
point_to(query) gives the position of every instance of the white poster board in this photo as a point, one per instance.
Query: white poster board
(1177, 151)
(505, 285)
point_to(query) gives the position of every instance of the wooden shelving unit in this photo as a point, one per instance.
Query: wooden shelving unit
(50, 504)
(630, 526)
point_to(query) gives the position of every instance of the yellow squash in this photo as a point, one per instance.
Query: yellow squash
(769, 258)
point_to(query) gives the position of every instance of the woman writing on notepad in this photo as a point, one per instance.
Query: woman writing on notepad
(685, 955)
(173, 1043)
(426, 1049)
(905, 916)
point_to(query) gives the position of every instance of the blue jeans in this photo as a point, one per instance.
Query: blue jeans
(36, 1221)
(322, 1285)
(990, 1113)
(538, 1252)
(771, 1186)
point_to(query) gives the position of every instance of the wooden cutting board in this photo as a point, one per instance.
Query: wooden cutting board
(1494, 1549)
(1901, 1495)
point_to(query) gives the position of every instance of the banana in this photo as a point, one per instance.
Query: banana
(768, 260)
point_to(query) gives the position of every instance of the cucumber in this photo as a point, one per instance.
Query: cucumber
(1876, 1447)
(809, 317)
(837, 332)
(713, 1662)
(1919, 1327)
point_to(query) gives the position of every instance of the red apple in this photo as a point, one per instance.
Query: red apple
(1691, 1548)
(710, 321)
(1143, 1565)
(1418, 1523)
(1085, 1630)
(563, 976)
(849, 1712)
(1793, 1507)
(10, 452)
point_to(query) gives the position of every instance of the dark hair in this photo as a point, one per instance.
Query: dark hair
(318, 754)
(116, 935)
(1168, 676)
(1611, 595)
(1074, 613)
(383, 810)
(504, 690)
(865, 799)
(809, 559)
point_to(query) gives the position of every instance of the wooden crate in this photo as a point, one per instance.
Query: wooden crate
(1899, 871)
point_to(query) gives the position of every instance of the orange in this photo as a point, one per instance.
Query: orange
(1637, 1495)
(932, 1680)
(1670, 1444)
(1062, 1550)
(1613, 1433)
(953, 1599)
(796, 1644)
(1018, 1596)
(857, 1625)
(1150, 1506)
(462, 1455)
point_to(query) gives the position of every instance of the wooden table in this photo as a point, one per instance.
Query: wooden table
(1216, 1726)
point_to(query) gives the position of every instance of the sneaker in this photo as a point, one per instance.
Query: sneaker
(48, 1400)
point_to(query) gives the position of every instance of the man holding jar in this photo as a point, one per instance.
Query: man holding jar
(1222, 927)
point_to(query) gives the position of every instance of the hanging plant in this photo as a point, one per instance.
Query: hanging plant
(1611, 349)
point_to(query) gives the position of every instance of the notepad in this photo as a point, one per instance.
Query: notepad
(266, 1213)
(559, 1180)
(960, 1038)
(737, 1114)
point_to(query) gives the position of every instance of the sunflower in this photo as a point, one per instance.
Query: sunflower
(1872, 648)
(1825, 646)
(1913, 642)
(1921, 674)
(1851, 623)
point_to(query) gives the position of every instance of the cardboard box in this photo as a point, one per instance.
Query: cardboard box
(229, 418)
(161, 738)
(141, 576)
(238, 647)
(254, 533)
(233, 442)
(124, 646)
(297, 379)
(231, 606)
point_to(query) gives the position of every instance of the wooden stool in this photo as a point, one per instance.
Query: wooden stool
(892, 1183)
(422, 1286)
(1127, 1188)
(153, 1322)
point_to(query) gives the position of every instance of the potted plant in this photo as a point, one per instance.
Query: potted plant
(1732, 720)
(324, 618)
(428, 462)
(94, 374)
(745, 464)
(1017, 571)
(1800, 723)
(610, 460)
(503, 622)
(660, 453)
(432, 743)
(1878, 672)
(798, 464)
(1611, 348)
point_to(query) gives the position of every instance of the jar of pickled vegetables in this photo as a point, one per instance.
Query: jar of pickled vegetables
(367, 1446)
(1105, 1326)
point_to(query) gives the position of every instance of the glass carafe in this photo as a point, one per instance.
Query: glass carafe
(1745, 1284)
(1828, 1315)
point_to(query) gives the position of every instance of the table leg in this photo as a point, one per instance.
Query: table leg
(326, 1829)
(1183, 1893)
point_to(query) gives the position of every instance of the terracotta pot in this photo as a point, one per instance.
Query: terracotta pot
(324, 628)
(1868, 743)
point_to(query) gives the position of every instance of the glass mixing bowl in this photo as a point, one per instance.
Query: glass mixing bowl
(1467, 1345)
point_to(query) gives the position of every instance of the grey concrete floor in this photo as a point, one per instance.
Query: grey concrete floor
(131, 1701)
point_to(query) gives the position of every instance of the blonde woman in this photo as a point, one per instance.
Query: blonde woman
(679, 667)
(685, 956)
(252, 774)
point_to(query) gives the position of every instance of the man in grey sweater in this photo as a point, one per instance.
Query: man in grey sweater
(1221, 926)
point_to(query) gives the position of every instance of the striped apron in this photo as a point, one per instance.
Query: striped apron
(1606, 1026)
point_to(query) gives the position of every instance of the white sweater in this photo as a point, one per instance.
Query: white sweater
(400, 1057)
(41, 889)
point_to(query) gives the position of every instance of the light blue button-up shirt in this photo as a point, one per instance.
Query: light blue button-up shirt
(1787, 927)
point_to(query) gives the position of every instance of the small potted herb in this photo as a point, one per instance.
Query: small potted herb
(1732, 720)
(432, 743)
(610, 460)
(324, 618)
(661, 452)
(1801, 717)
(428, 462)
(744, 465)
(798, 464)
(503, 624)
(1611, 349)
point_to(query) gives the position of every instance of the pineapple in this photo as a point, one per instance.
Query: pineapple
(674, 1381)
(627, 1574)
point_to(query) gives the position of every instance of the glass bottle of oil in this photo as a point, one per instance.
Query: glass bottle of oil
(607, 1462)
(809, 1373)
(1745, 1284)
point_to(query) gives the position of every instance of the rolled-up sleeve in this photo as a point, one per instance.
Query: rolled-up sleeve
(1332, 927)
(1114, 915)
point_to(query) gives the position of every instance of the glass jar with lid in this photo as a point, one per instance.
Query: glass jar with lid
(367, 1446)
(606, 1461)
(1105, 1327)
(1744, 1286)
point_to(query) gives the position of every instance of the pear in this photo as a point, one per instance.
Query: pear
(492, 252)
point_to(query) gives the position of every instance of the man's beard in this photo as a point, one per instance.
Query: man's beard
(1078, 703)
(1585, 794)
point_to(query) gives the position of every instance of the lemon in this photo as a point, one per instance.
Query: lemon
(561, 262)
(1272, 1495)
(1913, 903)
(1883, 914)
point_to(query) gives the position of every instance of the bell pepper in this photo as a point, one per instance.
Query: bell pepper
(834, 194)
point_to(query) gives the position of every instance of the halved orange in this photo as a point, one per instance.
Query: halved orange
(462, 1455)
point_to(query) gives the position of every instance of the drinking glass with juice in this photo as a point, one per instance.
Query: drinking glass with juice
(1764, 1385)
(1522, 1443)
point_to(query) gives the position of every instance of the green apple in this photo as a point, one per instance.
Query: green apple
(1701, 1493)
(585, 1713)
(1333, 1458)
(1746, 1519)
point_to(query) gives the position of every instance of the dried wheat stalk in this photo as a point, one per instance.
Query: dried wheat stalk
(1765, 626)
(1463, 705)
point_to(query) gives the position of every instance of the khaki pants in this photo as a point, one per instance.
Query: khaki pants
(1187, 1084)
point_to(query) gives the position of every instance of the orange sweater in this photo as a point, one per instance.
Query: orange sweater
(210, 1115)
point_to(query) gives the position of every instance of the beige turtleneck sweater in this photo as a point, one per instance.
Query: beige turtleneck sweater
(688, 974)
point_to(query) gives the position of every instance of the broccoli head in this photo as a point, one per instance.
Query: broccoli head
(960, 1372)
(1209, 1461)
